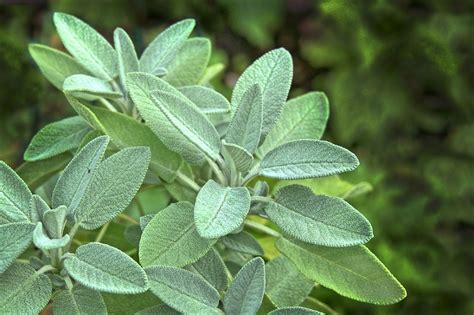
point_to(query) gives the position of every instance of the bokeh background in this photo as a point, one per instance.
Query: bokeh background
(399, 77)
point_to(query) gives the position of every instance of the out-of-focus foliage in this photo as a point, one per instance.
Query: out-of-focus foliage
(398, 74)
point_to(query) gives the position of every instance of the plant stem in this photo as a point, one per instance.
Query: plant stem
(72, 233)
(251, 174)
(102, 232)
(140, 207)
(183, 179)
(45, 269)
(220, 176)
(323, 307)
(69, 283)
(108, 105)
(128, 218)
(262, 228)
(262, 199)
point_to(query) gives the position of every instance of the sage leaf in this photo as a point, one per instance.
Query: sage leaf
(273, 72)
(318, 219)
(112, 187)
(79, 301)
(183, 290)
(104, 268)
(44, 242)
(220, 210)
(303, 117)
(295, 310)
(126, 132)
(245, 294)
(301, 159)
(211, 72)
(38, 207)
(246, 125)
(194, 136)
(127, 56)
(14, 239)
(190, 63)
(75, 179)
(56, 138)
(208, 100)
(15, 196)
(54, 221)
(163, 49)
(212, 268)
(243, 242)
(242, 158)
(353, 272)
(55, 65)
(89, 48)
(170, 238)
(285, 284)
(89, 88)
(22, 291)
(161, 309)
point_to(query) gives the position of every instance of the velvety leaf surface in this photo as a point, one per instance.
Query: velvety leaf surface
(220, 210)
(79, 301)
(208, 100)
(56, 138)
(212, 268)
(285, 284)
(44, 242)
(37, 208)
(189, 65)
(89, 48)
(295, 310)
(243, 242)
(55, 65)
(273, 72)
(246, 125)
(104, 268)
(183, 290)
(307, 158)
(171, 238)
(85, 86)
(242, 158)
(318, 219)
(14, 239)
(303, 117)
(353, 272)
(127, 56)
(117, 179)
(15, 196)
(54, 221)
(163, 49)
(22, 291)
(245, 294)
(161, 309)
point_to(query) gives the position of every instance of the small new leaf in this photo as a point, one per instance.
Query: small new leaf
(126, 54)
(104, 268)
(220, 210)
(44, 242)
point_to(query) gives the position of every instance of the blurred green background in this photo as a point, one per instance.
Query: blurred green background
(398, 75)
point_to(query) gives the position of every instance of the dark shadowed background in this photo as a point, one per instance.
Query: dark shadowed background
(399, 77)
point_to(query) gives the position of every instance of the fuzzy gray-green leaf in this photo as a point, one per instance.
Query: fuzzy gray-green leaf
(183, 290)
(104, 268)
(22, 291)
(14, 239)
(127, 56)
(243, 242)
(285, 284)
(113, 186)
(15, 196)
(245, 294)
(242, 158)
(77, 175)
(353, 272)
(208, 100)
(88, 87)
(301, 159)
(295, 310)
(318, 219)
(44, 242)
(171, 238)
(273, 72)
(37, 208)
(54, 221)
(246, 125)
(212, 268)
(220, 210)
(79, 301)
(56, 138)
(303, 117)
(55, 65)
(89, 48)
(189, 64)
(163, 49)
(193, 135)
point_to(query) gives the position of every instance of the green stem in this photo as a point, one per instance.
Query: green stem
(183, 179)
(220, 176)
(251, 174)
(323, 307)
(102, 232)
(262, 199)
(126, 217)
(69, 283)
(108, 105)
(45, 269)
(72, 233)
(140, 207)
(261, 228)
